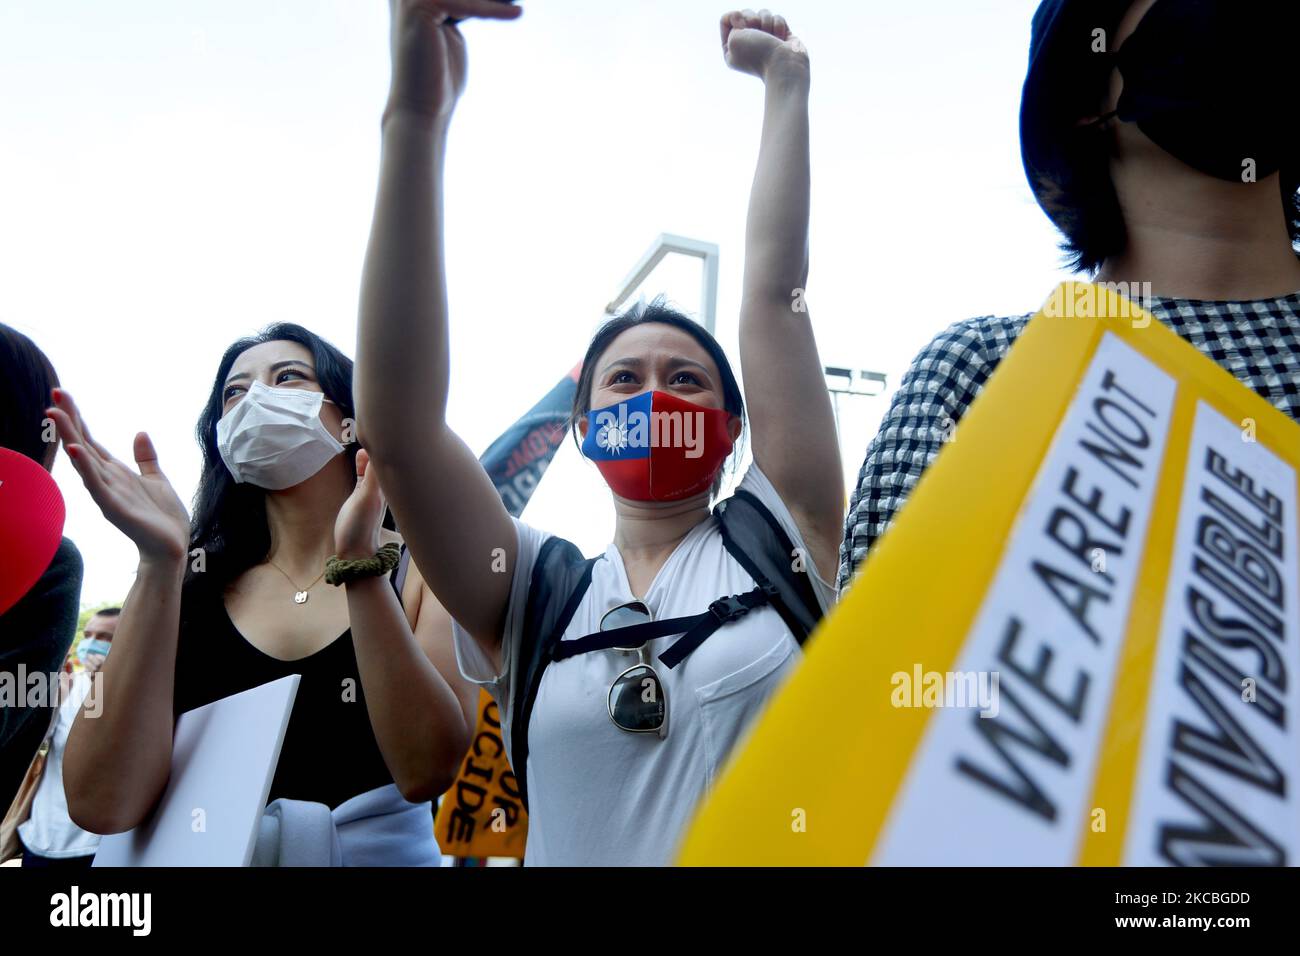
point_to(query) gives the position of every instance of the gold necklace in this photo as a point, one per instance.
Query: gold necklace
(300, 594)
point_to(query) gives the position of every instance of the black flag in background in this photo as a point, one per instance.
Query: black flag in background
(515, 461)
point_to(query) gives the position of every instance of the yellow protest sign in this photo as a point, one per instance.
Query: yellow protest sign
(481, 814)
(1079, 642)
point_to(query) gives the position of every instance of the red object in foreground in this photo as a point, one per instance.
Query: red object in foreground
(31, 524)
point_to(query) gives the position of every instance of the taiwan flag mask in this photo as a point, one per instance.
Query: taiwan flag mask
(658, 447)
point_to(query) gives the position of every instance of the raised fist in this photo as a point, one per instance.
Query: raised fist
(429, 52)
(754, 42)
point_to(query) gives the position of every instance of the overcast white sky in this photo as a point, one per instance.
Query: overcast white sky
(176, 175)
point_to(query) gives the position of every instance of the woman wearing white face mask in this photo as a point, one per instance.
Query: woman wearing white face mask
(381, 718)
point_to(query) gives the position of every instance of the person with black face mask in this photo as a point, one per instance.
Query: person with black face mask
(1154, 135)
(1203, 80)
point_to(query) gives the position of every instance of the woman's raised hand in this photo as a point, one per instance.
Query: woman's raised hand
(356, 529)
(753, 42)
(429, 53)
(142, 506)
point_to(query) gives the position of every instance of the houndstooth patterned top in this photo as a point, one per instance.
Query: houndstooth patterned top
(1257, 341)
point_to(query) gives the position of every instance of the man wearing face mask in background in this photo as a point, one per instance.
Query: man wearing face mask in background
(49, 837)
(1155, 137)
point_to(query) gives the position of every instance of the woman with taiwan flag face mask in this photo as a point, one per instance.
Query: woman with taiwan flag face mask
(623, 680)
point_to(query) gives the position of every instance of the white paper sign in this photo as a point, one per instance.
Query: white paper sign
(1050, 629)
(224, 756)
(1216, 783)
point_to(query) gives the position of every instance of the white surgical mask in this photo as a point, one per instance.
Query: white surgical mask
(274, 437)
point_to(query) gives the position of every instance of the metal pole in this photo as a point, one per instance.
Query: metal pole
(663, 246)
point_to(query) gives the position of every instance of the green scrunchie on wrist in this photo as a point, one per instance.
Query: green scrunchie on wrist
(342, 570)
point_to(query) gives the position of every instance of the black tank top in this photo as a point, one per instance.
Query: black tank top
(330, 753)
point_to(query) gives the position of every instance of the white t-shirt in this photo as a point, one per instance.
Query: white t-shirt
(50, 831)
(600, 796)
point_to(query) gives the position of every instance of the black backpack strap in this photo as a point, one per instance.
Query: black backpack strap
(754, 537)
(560, 578)
(398, 577)
(633, 635)
(694, 628)
(720, 612)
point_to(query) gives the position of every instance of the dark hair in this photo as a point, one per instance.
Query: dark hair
(1071, 174)
(640, 314)
(229, 521)
(106, 612)
(26, 378)
(1086, 207)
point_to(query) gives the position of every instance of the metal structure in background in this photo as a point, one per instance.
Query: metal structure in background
(660, 249)
(858, 383)
(851, 381)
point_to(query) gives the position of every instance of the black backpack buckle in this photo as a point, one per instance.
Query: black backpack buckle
(727, 609)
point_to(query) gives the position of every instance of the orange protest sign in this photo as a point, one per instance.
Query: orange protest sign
(481, 814)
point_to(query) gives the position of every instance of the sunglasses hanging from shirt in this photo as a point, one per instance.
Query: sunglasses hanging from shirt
(638, 702)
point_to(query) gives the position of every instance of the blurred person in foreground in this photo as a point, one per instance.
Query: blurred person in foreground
(36, 632)
(1155, 136)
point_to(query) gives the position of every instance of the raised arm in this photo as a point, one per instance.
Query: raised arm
(446, 507)
(119, 751)
(792, 425)
(420, 707)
